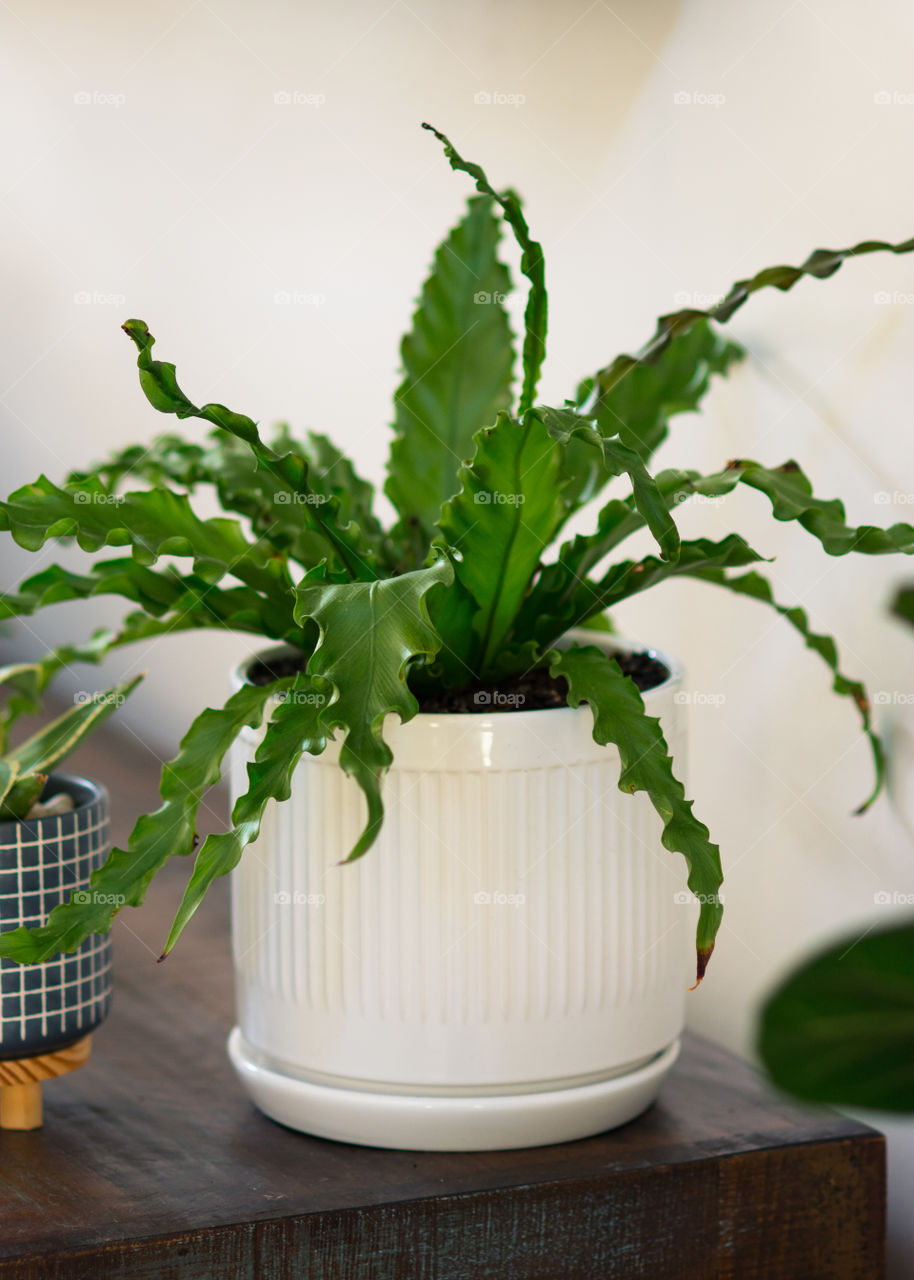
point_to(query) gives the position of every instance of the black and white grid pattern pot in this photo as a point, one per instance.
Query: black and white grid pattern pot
(42, 861)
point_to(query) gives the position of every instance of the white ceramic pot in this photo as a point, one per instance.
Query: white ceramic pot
(506, 967)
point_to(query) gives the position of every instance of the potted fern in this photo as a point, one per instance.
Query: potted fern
(508, 966)
(53, 835)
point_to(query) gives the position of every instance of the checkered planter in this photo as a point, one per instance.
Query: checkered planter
(42, 861)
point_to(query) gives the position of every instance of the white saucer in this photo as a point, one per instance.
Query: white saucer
(438, 1122)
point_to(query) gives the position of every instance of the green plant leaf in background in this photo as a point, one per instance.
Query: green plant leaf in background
(22, 695)
(903, 605)
(22, 796)
(37, 756)
(371, 633)
(27, 681)
(54, 741)
(457, 361)
(8, 772)
(619, 717)
(840, 1030)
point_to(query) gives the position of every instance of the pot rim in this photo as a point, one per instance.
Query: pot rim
(99, 795)
(608, 641)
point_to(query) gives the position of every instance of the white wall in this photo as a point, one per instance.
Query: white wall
(196, 198)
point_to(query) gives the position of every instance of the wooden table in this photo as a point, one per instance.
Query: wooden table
(152, 1162)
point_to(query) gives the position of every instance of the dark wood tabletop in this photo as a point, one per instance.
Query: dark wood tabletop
(153, 1163)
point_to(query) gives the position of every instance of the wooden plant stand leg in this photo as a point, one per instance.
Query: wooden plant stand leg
(20, 1082)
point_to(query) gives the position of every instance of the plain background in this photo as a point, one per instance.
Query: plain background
(275, 249)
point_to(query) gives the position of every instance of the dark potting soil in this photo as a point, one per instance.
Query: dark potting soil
(536, 690)
(284, 668)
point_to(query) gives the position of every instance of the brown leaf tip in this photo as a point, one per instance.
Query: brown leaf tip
(703, 956)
